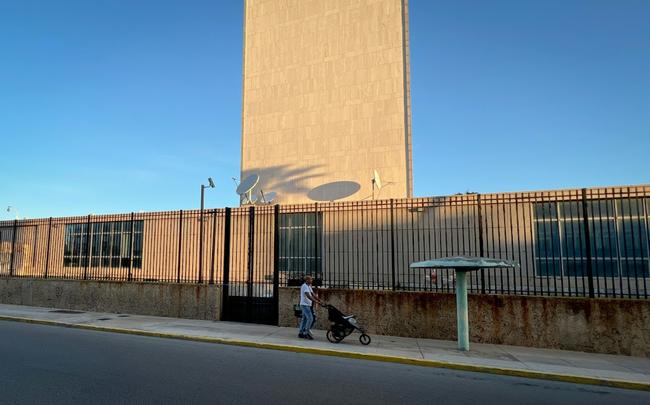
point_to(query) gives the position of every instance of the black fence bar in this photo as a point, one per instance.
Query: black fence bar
(13, 247)
(214, 246)
(561, 268)
(251, 251)
(276, 258)
(47, 248)
(534, 241)
(647, 240)
(392, 243)
(201, 218)
(226, 251)
(132, 228)
(603, 266)
(88, 251)
(587, 244)
(316, 252)
(481, 246)
(636, 246)
(180, 245)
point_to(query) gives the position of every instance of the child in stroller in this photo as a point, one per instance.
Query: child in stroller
(342, 325)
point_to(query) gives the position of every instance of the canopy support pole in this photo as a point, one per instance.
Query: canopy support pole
(462, 317)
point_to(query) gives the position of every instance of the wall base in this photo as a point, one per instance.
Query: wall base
(190, 301)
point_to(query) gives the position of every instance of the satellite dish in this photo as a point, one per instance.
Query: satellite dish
(376, 180)
(248, 184)
(245, 188)
(334, 191)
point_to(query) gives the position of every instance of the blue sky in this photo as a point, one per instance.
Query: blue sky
(119, 106)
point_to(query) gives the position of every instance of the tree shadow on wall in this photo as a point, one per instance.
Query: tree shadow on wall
(285, 179)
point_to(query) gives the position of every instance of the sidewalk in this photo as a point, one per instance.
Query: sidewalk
(559, 365)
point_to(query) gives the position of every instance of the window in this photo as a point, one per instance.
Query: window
(109, 244)
(301, 244)
(618, 232)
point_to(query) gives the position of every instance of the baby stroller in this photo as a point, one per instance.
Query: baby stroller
(343, 325)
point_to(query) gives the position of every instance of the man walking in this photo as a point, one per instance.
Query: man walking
(307, 297)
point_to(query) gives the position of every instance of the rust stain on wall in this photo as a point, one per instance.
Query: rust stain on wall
(615, 326)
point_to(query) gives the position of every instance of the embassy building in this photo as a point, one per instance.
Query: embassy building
(326, 97)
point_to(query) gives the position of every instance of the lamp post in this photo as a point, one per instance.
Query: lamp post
(15, 210)
(203, 187)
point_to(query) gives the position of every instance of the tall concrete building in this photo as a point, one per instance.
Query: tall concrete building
(326, 96)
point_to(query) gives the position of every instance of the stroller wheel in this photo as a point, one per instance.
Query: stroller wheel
(364, 339)
(332, 337)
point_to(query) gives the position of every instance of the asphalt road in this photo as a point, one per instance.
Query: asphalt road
(54, 365)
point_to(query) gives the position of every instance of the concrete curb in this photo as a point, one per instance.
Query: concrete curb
(576, 379)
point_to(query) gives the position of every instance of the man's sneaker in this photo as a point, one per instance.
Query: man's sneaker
(309, 336)
(301, 336)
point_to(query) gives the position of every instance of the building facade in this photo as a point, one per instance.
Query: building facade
(326, 96)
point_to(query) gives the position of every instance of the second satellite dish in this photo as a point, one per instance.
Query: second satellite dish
(376, 182)
(246, 187)
(334, 191)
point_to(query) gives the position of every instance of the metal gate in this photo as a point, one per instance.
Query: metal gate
(250, 275)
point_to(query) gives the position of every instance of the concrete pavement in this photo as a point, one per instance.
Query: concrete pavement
(588, 368)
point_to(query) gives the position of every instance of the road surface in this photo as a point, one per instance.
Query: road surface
(55, 365)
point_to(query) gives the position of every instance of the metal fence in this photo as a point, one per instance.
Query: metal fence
(585, 242)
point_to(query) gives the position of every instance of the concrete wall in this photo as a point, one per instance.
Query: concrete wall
(613, 326)
(191, 301)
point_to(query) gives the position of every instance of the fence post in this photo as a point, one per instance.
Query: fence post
(180, 245)
(13, 248)
(585, 221)
(47, 249)
(87, 247)
(316, 241)
(481, 247)
(276, 262)
(200, 276)
(251, 251)
(214, 241)
(392, 242)
(226, 255)
(131, 247)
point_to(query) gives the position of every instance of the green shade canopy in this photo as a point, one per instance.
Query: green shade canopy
(464, 263)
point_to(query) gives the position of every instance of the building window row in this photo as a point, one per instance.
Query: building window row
(110, 244)
(618, 233)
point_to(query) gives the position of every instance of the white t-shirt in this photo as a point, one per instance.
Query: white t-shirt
(303, 298)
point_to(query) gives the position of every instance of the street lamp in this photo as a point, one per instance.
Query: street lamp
(15, 210)
(203, 187)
